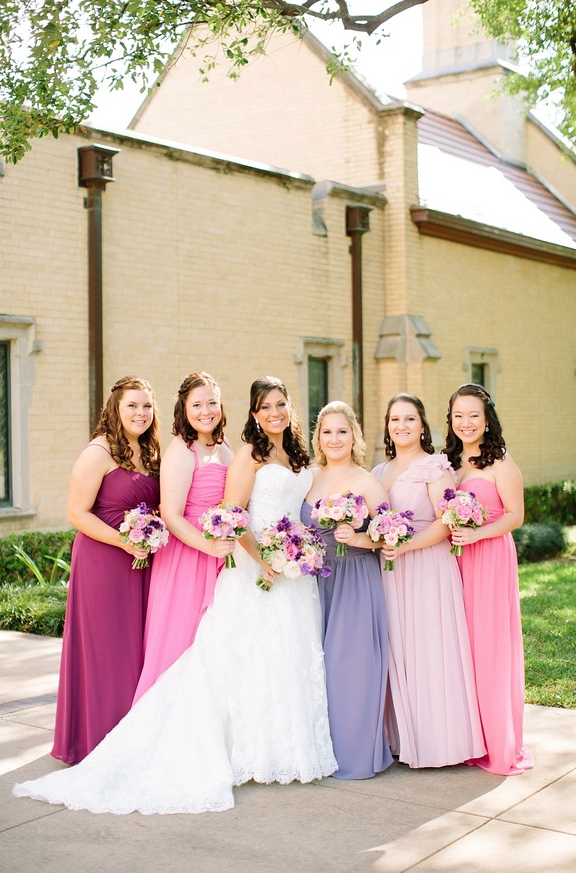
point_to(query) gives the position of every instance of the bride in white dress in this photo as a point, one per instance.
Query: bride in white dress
(247, 700)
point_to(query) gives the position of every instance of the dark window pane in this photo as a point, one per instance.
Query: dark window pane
(317, 389)
(479, 374)
(5, 484)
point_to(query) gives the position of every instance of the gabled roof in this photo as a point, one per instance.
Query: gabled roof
(460, 176)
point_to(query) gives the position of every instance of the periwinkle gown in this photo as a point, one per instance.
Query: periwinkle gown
(489, 570)
(182, 582)
(102, 650)
(246, 701)
(355, 636)
(432, 714)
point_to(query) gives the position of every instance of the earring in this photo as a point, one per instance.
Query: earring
(486, 429)
(421, 436)
(257, 423)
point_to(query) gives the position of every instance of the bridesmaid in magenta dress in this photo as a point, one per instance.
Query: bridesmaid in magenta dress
(184, 573)
(432, 712)
(354, 628)
(477, 451)
(102, 648)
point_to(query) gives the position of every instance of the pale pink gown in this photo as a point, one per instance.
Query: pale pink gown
(182, 582)
(432, 714)
(490, 576)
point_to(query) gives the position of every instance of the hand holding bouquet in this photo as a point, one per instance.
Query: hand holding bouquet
(291, 548)
(392, 527)
(145, 530)
(345, 508)
(461, 509)
(225, 521)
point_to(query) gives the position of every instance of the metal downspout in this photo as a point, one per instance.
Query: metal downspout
(357, 224)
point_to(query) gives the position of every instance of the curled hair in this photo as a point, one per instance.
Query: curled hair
(182, 426)
(414, 401)
(110, 426)
(292, 438)
(358, 446)
(493, 448)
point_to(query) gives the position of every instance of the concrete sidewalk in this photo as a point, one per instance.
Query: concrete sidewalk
(455, 820)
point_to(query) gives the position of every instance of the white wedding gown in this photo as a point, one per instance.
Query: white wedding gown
(246, 701)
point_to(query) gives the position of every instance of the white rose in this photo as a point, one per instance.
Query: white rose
(291, 570)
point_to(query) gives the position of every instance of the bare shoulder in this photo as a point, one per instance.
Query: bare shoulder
(507, 469)
(243, 458)
(95, 458)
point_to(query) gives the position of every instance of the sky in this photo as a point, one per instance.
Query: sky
(385, 66)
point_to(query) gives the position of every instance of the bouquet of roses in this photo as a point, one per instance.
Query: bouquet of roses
(293, 549)
(391, 526)
(144, 529)
(345, 508)
(227, 522)
(461, 508)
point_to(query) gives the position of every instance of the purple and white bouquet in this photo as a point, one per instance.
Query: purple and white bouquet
(144, 529)
(392, 526)
(461, 509)
(345, 508)
(293, 549)
(227, 522)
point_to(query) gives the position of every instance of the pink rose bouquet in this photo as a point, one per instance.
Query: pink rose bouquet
(461, 509)
(144, 529)
(391, 526)
(345, 508)
(227, 522)
(293, 549)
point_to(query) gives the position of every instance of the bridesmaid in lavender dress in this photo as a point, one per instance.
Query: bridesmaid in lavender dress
(192, 480)
(102, 646)
(353, 609)
(432, 712)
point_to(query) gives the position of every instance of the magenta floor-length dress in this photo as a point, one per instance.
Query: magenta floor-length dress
(182, 582)
(102, 649)
(491, 598)
(355, 639)
(432, 712)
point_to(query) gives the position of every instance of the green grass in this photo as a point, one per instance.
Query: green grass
(548, 600)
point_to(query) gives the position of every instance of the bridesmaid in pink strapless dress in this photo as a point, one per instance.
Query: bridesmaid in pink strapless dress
(102, 647)
(184, 572)
(489, 568)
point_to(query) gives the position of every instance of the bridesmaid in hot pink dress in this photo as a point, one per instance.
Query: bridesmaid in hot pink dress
(432, 713)
(102, 647)
(184, 573)
(476, 448)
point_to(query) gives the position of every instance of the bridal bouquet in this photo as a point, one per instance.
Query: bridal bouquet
(227, 522)
(144, 529)
(293, 549)
(345, 508)
(459, 509)
(391, 526)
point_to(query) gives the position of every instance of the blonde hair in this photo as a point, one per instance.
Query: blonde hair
(358, 446)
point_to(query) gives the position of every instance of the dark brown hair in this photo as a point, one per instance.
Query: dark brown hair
(493, 448)
(110, 426)
(414, 401)
(292, 438)
(182, 426)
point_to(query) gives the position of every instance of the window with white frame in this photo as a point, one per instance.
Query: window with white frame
(321, 376)
(481, 366)
(18, 347)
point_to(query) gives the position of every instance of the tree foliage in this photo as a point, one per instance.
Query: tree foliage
(544, 32)
(55, 54)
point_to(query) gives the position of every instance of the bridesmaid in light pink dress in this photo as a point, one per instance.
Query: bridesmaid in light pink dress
(432, 714)
(475, 446)
(184, 572)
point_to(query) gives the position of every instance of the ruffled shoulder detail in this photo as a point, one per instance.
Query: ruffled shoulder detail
(430, 468)
(379, 469)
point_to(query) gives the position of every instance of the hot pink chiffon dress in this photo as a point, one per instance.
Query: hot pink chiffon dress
(102, 650)
(432, 714)
(182, 582)
(491, 598)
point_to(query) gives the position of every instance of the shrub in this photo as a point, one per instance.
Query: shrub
(42, 548)
(540, 541)
(33, 609)
(555, 500)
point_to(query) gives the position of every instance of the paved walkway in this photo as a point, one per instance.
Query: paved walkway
(455, 820)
